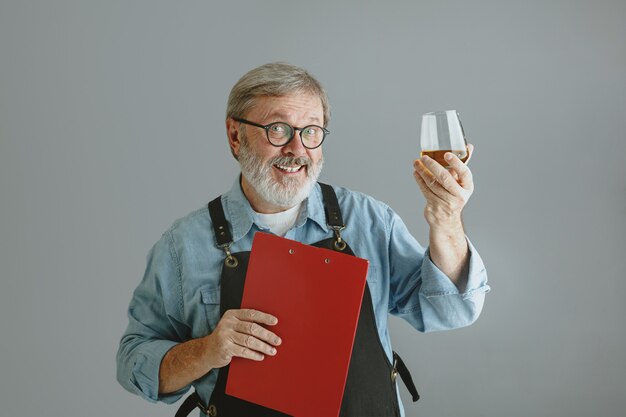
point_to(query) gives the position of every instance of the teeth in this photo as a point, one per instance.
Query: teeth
(289, 169)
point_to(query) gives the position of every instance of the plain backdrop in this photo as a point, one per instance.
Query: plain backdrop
(112, 126)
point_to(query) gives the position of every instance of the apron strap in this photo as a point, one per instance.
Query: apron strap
(333, 215)
(331, 207)
(405, 374)
(189, 404)
(223, 237)
(220, 225)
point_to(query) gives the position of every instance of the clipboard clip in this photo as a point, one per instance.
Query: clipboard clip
(339, 243)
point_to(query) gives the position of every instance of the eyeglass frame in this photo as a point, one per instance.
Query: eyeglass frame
(293, 129)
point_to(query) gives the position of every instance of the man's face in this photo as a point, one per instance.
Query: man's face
(278, 178)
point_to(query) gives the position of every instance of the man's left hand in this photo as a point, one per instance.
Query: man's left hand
(446, 190)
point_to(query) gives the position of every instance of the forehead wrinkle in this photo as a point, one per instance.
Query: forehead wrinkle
(283, 116)
(282, 113)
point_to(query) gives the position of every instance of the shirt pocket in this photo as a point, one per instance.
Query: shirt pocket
(210, 298)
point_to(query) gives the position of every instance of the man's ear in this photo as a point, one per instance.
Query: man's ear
(233, 131)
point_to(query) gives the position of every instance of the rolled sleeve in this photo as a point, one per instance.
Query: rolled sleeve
(142, 375)
(422, 294)
(444, 307)
(154, 326)
(436, 284)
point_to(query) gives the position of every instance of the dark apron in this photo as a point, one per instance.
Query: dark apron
(371, 383)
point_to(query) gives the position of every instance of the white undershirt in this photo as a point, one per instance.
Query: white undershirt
(278, 223)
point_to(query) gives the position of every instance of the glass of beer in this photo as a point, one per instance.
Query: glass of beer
(442, 132)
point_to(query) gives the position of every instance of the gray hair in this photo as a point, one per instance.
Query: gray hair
(275, 79)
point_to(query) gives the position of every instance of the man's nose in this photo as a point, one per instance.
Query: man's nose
(295, 146)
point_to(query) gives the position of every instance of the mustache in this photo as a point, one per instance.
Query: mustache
(291, 160)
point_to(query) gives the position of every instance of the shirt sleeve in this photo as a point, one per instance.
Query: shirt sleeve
(154, 325)
(423, 295)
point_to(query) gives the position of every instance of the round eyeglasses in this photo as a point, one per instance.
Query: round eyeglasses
(280, 133)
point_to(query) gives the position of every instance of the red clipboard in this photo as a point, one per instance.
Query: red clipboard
(316, 294)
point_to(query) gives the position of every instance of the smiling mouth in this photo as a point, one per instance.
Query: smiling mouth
(289, 169)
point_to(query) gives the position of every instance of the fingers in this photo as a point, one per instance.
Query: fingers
(453, 180)
(421, 182)
(454, 174)
(256, 331)
(251, 347)
(464, 178)
(253, 316)
(241, 333)
(438, 180)
(446, 190)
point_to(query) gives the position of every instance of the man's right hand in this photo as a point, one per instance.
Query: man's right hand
(240, 333)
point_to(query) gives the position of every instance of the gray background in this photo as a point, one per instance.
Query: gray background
(112, 126)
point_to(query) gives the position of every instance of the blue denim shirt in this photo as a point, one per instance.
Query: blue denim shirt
(178, 298)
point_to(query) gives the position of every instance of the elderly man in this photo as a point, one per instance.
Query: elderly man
(185, 322)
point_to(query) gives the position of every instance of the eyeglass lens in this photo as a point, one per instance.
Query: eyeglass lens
(280, 133)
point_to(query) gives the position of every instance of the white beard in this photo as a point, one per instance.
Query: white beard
(286, 193)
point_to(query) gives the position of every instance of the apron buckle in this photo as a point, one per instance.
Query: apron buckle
(230, 260)
(339, 243)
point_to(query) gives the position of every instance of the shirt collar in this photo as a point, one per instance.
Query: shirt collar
(313, 208)
(240, 213)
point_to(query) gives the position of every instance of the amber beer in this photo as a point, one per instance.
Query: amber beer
(438, 155)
